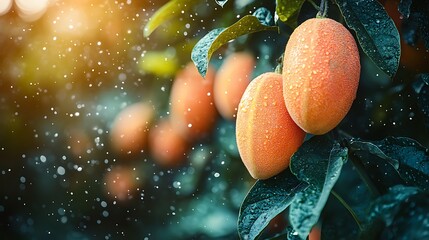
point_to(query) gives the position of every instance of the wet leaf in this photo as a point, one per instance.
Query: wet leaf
(403, 212)
(411, 220)
(339, 225)
(318, 162)
(311, 161)
(413, 159)
(204, 49)
(404, 7)
(387, 206)
(373, 149)
(168, 11)
(337, 221)
(421, 88)
(375, 31)
(421, 82)
(408, 161)
(415, 25)
(380, 172)
(288, 10)
(265, 200)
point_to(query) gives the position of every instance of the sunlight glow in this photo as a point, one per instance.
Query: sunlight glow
(31, 10)
(5, 6)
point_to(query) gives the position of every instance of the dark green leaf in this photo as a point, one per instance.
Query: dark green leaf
(375, 31)
(421, 88)
(404, 211)
(338, 223)
(167, 12)
(404, 7)
(318, 162)
(373, 149)
(267, 199)
(411, 220)
(408, 161)
(421, 82)
(353, 191)
(204, 49)
(413, 159)
(288, 10)
(387, 206)
(310, 162)
(380, 170)
(416, 26)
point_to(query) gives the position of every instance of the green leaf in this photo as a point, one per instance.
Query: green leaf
(170, 10)
(373, 149)
(318, 162)
(421, 88)
(408, 161)
(411, 221)
(375, 31)
(204, 49)
(413, 159)
(265, 200)
(346, 210)
(160, 63)
(288, 10)
(388, 205)
(415, 26)
(403, 212)
(404, 7)
(338, 223)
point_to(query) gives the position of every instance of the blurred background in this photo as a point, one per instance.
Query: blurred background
(72, 70)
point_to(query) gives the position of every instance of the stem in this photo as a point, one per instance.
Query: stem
(314, 5)
(363, 175)
(323, 10)
(358, 164)
(279, 67)
(355, 217)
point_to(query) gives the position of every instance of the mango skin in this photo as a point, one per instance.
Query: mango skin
(321, 71)
(192, 110)
(129, 131)
(231, 81)
(167, 146)
(267, 136)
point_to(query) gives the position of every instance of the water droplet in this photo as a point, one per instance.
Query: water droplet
(61, 170)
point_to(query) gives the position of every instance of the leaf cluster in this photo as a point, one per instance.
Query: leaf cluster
(377, 36)
(385, 177)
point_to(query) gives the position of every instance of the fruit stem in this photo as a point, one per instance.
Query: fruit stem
(344, 203)
(363, 175)
(346, 138)
(323, 9)
(314, 5)
(279, 67)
